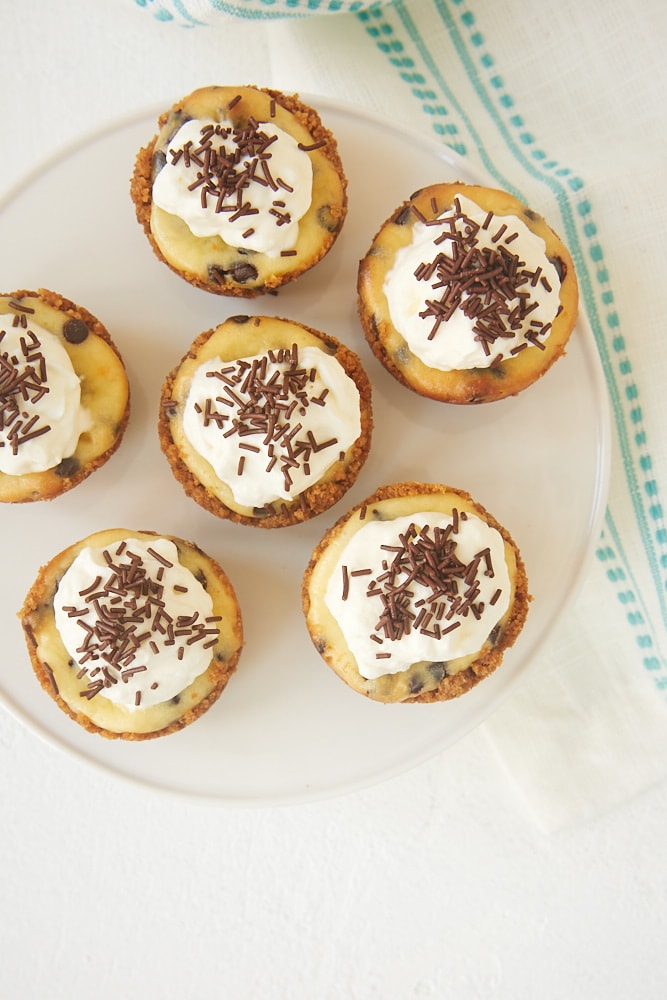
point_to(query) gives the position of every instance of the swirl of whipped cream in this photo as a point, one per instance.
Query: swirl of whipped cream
(248, 186)
(136, 621)
(393, 616)
(41, 417)
(271, 428)
(449, 338)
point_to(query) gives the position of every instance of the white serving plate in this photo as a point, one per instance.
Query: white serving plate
(287, 729)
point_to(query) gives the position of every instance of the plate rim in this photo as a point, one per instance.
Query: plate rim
(307, 795)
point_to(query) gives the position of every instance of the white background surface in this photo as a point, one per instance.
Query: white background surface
(434, 884)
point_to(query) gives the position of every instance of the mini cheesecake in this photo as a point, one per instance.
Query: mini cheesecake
(134, 635)
(64, 395)
(265, 421)
(466, 295)
(241, 190)
(415, 594)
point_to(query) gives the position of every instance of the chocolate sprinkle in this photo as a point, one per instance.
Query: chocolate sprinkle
(427, 558)
(227, 164)
(264, 408)
(488, 284)
(308, 148)
(23, 380)
(52, 679)
(127, 612)
(20, 307)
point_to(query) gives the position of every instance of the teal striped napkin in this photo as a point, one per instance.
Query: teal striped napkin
(529, 93)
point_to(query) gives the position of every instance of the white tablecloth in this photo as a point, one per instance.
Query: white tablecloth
(443, 882)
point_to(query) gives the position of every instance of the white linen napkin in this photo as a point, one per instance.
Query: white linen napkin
(579, 130)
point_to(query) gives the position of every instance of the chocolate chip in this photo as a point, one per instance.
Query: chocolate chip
(239, 319)
(415, 684)
(320, 644)
(403, 215)
(437, 670)
(327, 219)
(241, 272)
(75, 331)
(494, 634)
(496, 370)
(176, 120)
(176, 699)
(159, 161)
(68, 467)
(533, 216)
(559, 264)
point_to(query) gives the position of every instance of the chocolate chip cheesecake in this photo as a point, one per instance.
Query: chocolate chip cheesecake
(64, 395)
(415, 594)
(265, 421)
(466, 295)
(241, 190)
(133, 634)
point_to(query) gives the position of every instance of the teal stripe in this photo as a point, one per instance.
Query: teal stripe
(192, 21)
(631, 394)
(378, 26)
(628, 592)
(168, 11)
(433, 68)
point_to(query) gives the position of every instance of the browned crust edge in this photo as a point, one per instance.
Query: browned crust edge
(316, 498)
(220, 672)
(457, 684)
(62, 304)
(141, 195)
(477, 389)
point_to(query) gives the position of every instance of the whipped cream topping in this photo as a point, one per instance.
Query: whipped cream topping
(472, 288)
(135, 621)
(427, 587)
(249, 186)
(41, 417)
(272, 424)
